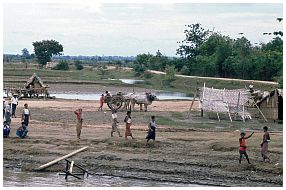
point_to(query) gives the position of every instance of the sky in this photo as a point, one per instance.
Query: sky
(130, 29)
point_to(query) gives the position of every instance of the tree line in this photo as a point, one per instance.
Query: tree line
(211, 54)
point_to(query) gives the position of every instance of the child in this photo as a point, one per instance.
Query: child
(22, 131)
(6, 129)
(101, 101)
(152, 130)
(114, 124)
(264, 144)
(242, 146)
(26, 115)
(128, 122)
(78, 113)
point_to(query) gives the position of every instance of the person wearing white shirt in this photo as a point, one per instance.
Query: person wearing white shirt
(114, 124)
(14, 101)
(26, 115)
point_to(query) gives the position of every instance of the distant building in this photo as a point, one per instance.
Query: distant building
(50, 65)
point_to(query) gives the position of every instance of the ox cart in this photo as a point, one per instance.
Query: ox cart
(115, 101)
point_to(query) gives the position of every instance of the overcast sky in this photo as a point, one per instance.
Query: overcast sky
(130, 29)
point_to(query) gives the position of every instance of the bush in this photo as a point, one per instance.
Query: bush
(147, 75)
(78, 65)
(63, 65)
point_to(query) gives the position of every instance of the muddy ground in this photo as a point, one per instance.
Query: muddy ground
(186, 155)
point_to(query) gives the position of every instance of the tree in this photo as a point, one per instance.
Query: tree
(25, 53)
(169, 76)
(78, 65)
(102, 70)
(44, 50)
(195, 36)
(63, 65)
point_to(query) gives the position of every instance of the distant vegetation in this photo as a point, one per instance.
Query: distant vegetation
(201, 53)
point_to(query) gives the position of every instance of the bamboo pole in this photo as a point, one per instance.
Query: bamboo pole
(59, 159)
(243, 116)
(218, 117)
(203, 96)
(260, 111)
(195, 95)
(71, 167)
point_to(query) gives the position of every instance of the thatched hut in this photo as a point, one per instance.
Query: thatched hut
(35, 87)
(272, 105)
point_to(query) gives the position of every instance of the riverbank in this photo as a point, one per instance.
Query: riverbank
(191, 150)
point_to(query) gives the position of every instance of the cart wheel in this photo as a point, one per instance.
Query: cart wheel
(116, 102)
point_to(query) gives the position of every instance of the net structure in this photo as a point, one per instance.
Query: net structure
(225, 101)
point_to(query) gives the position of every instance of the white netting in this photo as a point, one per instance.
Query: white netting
(222, 100)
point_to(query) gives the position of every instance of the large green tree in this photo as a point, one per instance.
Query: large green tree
(195, 35)
(44, 50)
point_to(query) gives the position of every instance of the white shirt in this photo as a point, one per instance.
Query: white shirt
(114, 116)
(14, 100)
(129, 120)
(26, 111)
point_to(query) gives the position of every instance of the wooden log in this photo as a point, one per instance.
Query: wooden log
(59, 159)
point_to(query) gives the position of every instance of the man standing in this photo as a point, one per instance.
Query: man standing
(264, 144)
(14, 101)
(114, 124)
(78, 113)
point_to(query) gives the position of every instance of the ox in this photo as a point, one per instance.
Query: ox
(146, 99)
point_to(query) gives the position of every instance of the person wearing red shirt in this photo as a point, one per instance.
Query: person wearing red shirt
(242, 146)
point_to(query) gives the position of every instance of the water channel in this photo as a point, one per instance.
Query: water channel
(16, 178)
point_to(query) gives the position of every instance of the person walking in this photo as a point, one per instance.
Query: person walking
(26, 115)
(151, 130)
(264, 144)
(115, 123)
(242, 146)
(128, 122)
(14, 101)
(78, 113)
(101, 102)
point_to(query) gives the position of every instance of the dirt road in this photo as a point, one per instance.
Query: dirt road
(226, 79)
(190, 155)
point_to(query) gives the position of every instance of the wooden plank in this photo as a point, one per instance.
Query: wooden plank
(59, 159)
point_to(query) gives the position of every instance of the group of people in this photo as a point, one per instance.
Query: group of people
(264, 145)
(114, 127)
(9, 112)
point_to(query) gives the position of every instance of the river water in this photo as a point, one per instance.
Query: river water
(89, 96)
(16, 178)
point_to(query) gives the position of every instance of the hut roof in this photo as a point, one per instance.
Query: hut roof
(272, 93)
(33, 80)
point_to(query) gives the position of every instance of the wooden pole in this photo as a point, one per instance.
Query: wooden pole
(260, 111)
(195, 95)
(203, 96)
(71, 167)
(243, 116)
(237, 105)
(59, 159)
(218, 117)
